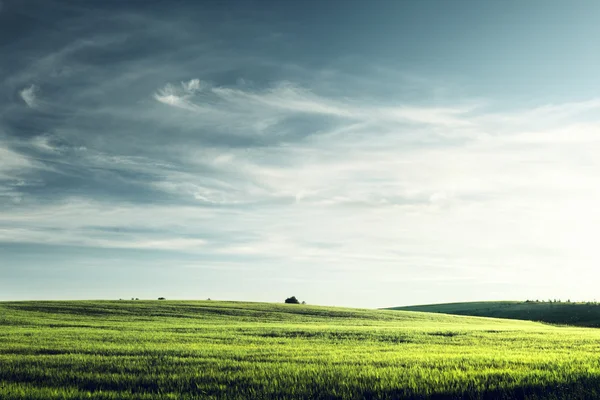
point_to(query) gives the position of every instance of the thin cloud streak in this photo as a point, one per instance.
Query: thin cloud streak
(286, 97)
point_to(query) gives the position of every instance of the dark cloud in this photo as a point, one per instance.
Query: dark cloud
(95, 67)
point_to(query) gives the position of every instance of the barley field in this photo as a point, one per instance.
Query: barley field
(219, 350)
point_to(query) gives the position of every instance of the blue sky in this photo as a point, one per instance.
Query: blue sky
(346, 152)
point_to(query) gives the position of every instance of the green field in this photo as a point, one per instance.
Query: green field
(566, 313)
(198, 350)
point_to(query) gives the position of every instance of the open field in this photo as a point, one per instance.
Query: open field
(197, 350)
(579, 314)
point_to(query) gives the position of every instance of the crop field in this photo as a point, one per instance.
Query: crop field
(209, 349)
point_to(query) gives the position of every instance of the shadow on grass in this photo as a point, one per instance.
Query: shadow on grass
(145, 386)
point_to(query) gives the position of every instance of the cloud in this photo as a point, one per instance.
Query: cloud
(365, 165)
(175, 97)
(11, 160)
(44, 143)
(14, 171)
(64, 238)
(191, 86)
(29, 95)
(290, 99)
(224, 154)
(447, 117)
(284, 96)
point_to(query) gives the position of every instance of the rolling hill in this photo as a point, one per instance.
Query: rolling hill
(215, 350)
(563, 313)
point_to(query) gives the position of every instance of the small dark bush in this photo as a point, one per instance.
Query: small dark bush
(292, 300)
(161, 298)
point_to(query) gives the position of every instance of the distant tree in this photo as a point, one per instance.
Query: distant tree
(136, 298)
(292, 300)
(208, 299)
(303, 302)
(161, 298)
(132, 299)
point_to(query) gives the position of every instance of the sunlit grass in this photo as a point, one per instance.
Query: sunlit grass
(196, 350)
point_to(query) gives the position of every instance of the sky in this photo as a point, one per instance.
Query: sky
(349, 153)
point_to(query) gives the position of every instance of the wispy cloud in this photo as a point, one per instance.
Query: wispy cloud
(179, 96)
(29, 95)
(12, 161)
(64, 238)
(286, 99)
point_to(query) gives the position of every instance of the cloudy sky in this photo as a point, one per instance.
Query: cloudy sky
(356, 153)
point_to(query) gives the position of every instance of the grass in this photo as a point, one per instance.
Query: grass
(213, 350)
(565, 313)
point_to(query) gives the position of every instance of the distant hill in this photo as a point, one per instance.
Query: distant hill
(579, 314)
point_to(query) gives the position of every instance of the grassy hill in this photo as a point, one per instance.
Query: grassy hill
(213, 350)
(579, 314)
